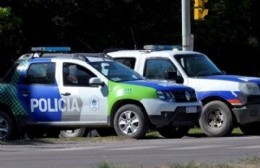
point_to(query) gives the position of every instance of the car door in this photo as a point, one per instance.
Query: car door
(83, 103)
(39, 93)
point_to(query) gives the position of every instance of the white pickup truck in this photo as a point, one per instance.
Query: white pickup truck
(228, 100)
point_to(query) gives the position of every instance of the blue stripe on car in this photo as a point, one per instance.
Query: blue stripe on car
(158, 85)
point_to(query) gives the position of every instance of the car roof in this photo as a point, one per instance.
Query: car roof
(133, 53)
(86, 57)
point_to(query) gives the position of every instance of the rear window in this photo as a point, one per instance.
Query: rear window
(130, 62)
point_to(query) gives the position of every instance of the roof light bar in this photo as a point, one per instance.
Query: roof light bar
(51, 49)
(162, 47)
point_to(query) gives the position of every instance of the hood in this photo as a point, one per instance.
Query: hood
(159, 85)
(233, 78)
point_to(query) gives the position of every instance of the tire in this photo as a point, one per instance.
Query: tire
(173, 132)
(92, 133)
(78, 132)
(250, 129)
(6, 126)
(130, 121)
(216, 119)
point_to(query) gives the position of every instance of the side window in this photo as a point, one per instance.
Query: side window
(76, 75)
(41, 73)
(157, 68)
(130, 62)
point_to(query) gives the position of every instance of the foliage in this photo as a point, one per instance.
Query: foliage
(7, 21)
(94, 25)
(4, 13)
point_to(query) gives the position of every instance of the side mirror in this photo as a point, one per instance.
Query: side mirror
(172, 75)
(95, 82)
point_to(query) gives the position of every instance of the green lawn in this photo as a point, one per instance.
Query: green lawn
(194, 132)
(198, 132)
(252, 162)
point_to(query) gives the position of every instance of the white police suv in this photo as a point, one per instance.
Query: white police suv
(228, 100)
(47, 91)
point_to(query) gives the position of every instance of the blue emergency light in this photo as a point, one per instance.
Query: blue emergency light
(51, 49)
(162, 47)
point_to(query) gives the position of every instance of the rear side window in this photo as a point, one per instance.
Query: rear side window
(130, 62)
(41, 73)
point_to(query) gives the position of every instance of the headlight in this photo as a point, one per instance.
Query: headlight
(249, 88)
(165, 96)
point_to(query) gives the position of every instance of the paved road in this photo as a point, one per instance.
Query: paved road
(146, 153)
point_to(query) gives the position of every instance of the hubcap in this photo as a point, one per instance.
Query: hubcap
(74, 131)
(216, 119)
(128, 122)
(3, 128)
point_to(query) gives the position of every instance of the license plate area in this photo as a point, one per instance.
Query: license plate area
(191, 109)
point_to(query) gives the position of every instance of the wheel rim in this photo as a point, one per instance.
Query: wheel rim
(3, 127)
(71, 132)
(216, 119)
(128, 122)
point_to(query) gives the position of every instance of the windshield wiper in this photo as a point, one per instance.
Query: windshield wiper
(208, 74)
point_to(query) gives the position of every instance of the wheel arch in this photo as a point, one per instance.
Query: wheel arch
(6, 109)
(120, 103)
(216, 98)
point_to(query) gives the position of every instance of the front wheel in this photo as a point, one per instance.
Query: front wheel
(130, 121)
(6, 126)
(173, 132)
(216, 119)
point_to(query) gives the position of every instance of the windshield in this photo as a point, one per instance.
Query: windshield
(116, 71)
(197, 65)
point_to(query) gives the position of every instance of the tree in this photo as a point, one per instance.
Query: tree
(7, 21)
(228, 31)
(4, 13)
(8, 24)
(94, 25)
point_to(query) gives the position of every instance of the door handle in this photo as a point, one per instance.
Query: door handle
(65, 94)
(25, 93)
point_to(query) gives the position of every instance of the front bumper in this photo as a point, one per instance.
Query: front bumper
(247, 114)
(179, 117)
(163, 113)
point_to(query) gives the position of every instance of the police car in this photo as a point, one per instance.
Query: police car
(50, 90)
(228, 100)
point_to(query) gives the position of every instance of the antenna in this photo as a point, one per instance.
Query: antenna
(132, 33)
(85, 44)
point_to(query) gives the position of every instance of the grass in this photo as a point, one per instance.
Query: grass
(253, 162)
(194, 132)
(199, 131)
